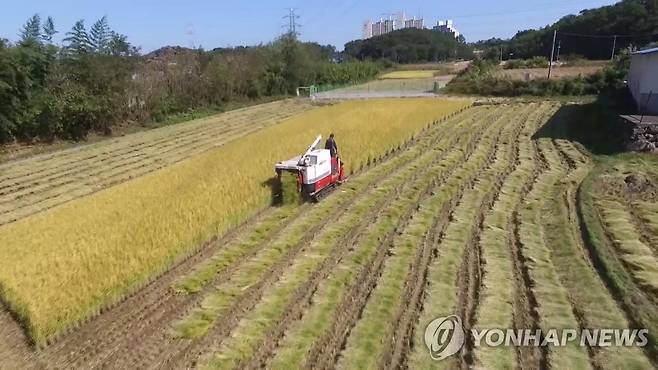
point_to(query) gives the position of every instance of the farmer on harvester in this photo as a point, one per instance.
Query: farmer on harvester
(333, 150)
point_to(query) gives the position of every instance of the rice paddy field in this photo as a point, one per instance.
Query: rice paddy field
(486, 212)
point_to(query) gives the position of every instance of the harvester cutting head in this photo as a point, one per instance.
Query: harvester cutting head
(316, 171)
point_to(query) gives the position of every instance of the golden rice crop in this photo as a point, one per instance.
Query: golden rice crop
(407, 75)
(64, 265)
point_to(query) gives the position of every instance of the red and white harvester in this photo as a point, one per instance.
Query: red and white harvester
(317, 172)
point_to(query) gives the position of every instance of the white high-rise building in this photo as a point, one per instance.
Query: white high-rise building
(383, 26)
(447, 27)
(414, 23)
(367, 29)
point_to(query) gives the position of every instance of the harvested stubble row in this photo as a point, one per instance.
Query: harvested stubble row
(638, 257)
(553, 305)
(33, 185)
(638, 303)
(375, 212)
(364, 346)
(479, 187)
(593, 304)
(648, 214)
(136, 230)
(497, 295)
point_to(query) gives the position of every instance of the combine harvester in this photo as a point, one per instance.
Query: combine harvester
(316, 171)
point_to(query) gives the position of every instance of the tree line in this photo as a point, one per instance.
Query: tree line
(410, 46)
(96, 79)
(589, 34)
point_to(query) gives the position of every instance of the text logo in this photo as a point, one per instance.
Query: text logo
(444, 337)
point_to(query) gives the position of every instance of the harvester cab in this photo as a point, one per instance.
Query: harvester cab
(316, 171)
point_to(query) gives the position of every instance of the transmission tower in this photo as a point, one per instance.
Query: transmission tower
(293, 25)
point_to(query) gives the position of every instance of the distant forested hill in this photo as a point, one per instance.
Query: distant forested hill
(634, 21)
(409, 46)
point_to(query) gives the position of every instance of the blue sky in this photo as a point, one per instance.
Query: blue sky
(214, 23)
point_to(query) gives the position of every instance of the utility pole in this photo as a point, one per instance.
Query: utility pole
(550, 65)
(614, 45)
(292, 22)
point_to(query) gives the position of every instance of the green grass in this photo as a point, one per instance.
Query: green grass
(289, 189)
(202, 112)
(199, 278)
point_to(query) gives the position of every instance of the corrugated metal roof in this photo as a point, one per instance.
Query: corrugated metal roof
(647, 51)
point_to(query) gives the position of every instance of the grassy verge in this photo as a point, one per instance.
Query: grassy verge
(19, 150)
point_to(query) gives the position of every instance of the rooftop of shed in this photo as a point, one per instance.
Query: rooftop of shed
(647, 51)
(636, 118)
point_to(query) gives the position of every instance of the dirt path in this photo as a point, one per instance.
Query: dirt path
(15, 351)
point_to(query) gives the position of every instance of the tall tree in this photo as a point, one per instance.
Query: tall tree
(31, 31)
(118, 45)
(100, 36)
(77, 39)
(49, 30)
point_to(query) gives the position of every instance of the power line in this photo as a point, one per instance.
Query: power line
(540, 8)
(606, 36)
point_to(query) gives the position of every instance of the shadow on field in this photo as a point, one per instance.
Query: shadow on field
(283, 189)
(591, 124)
(274, 185)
